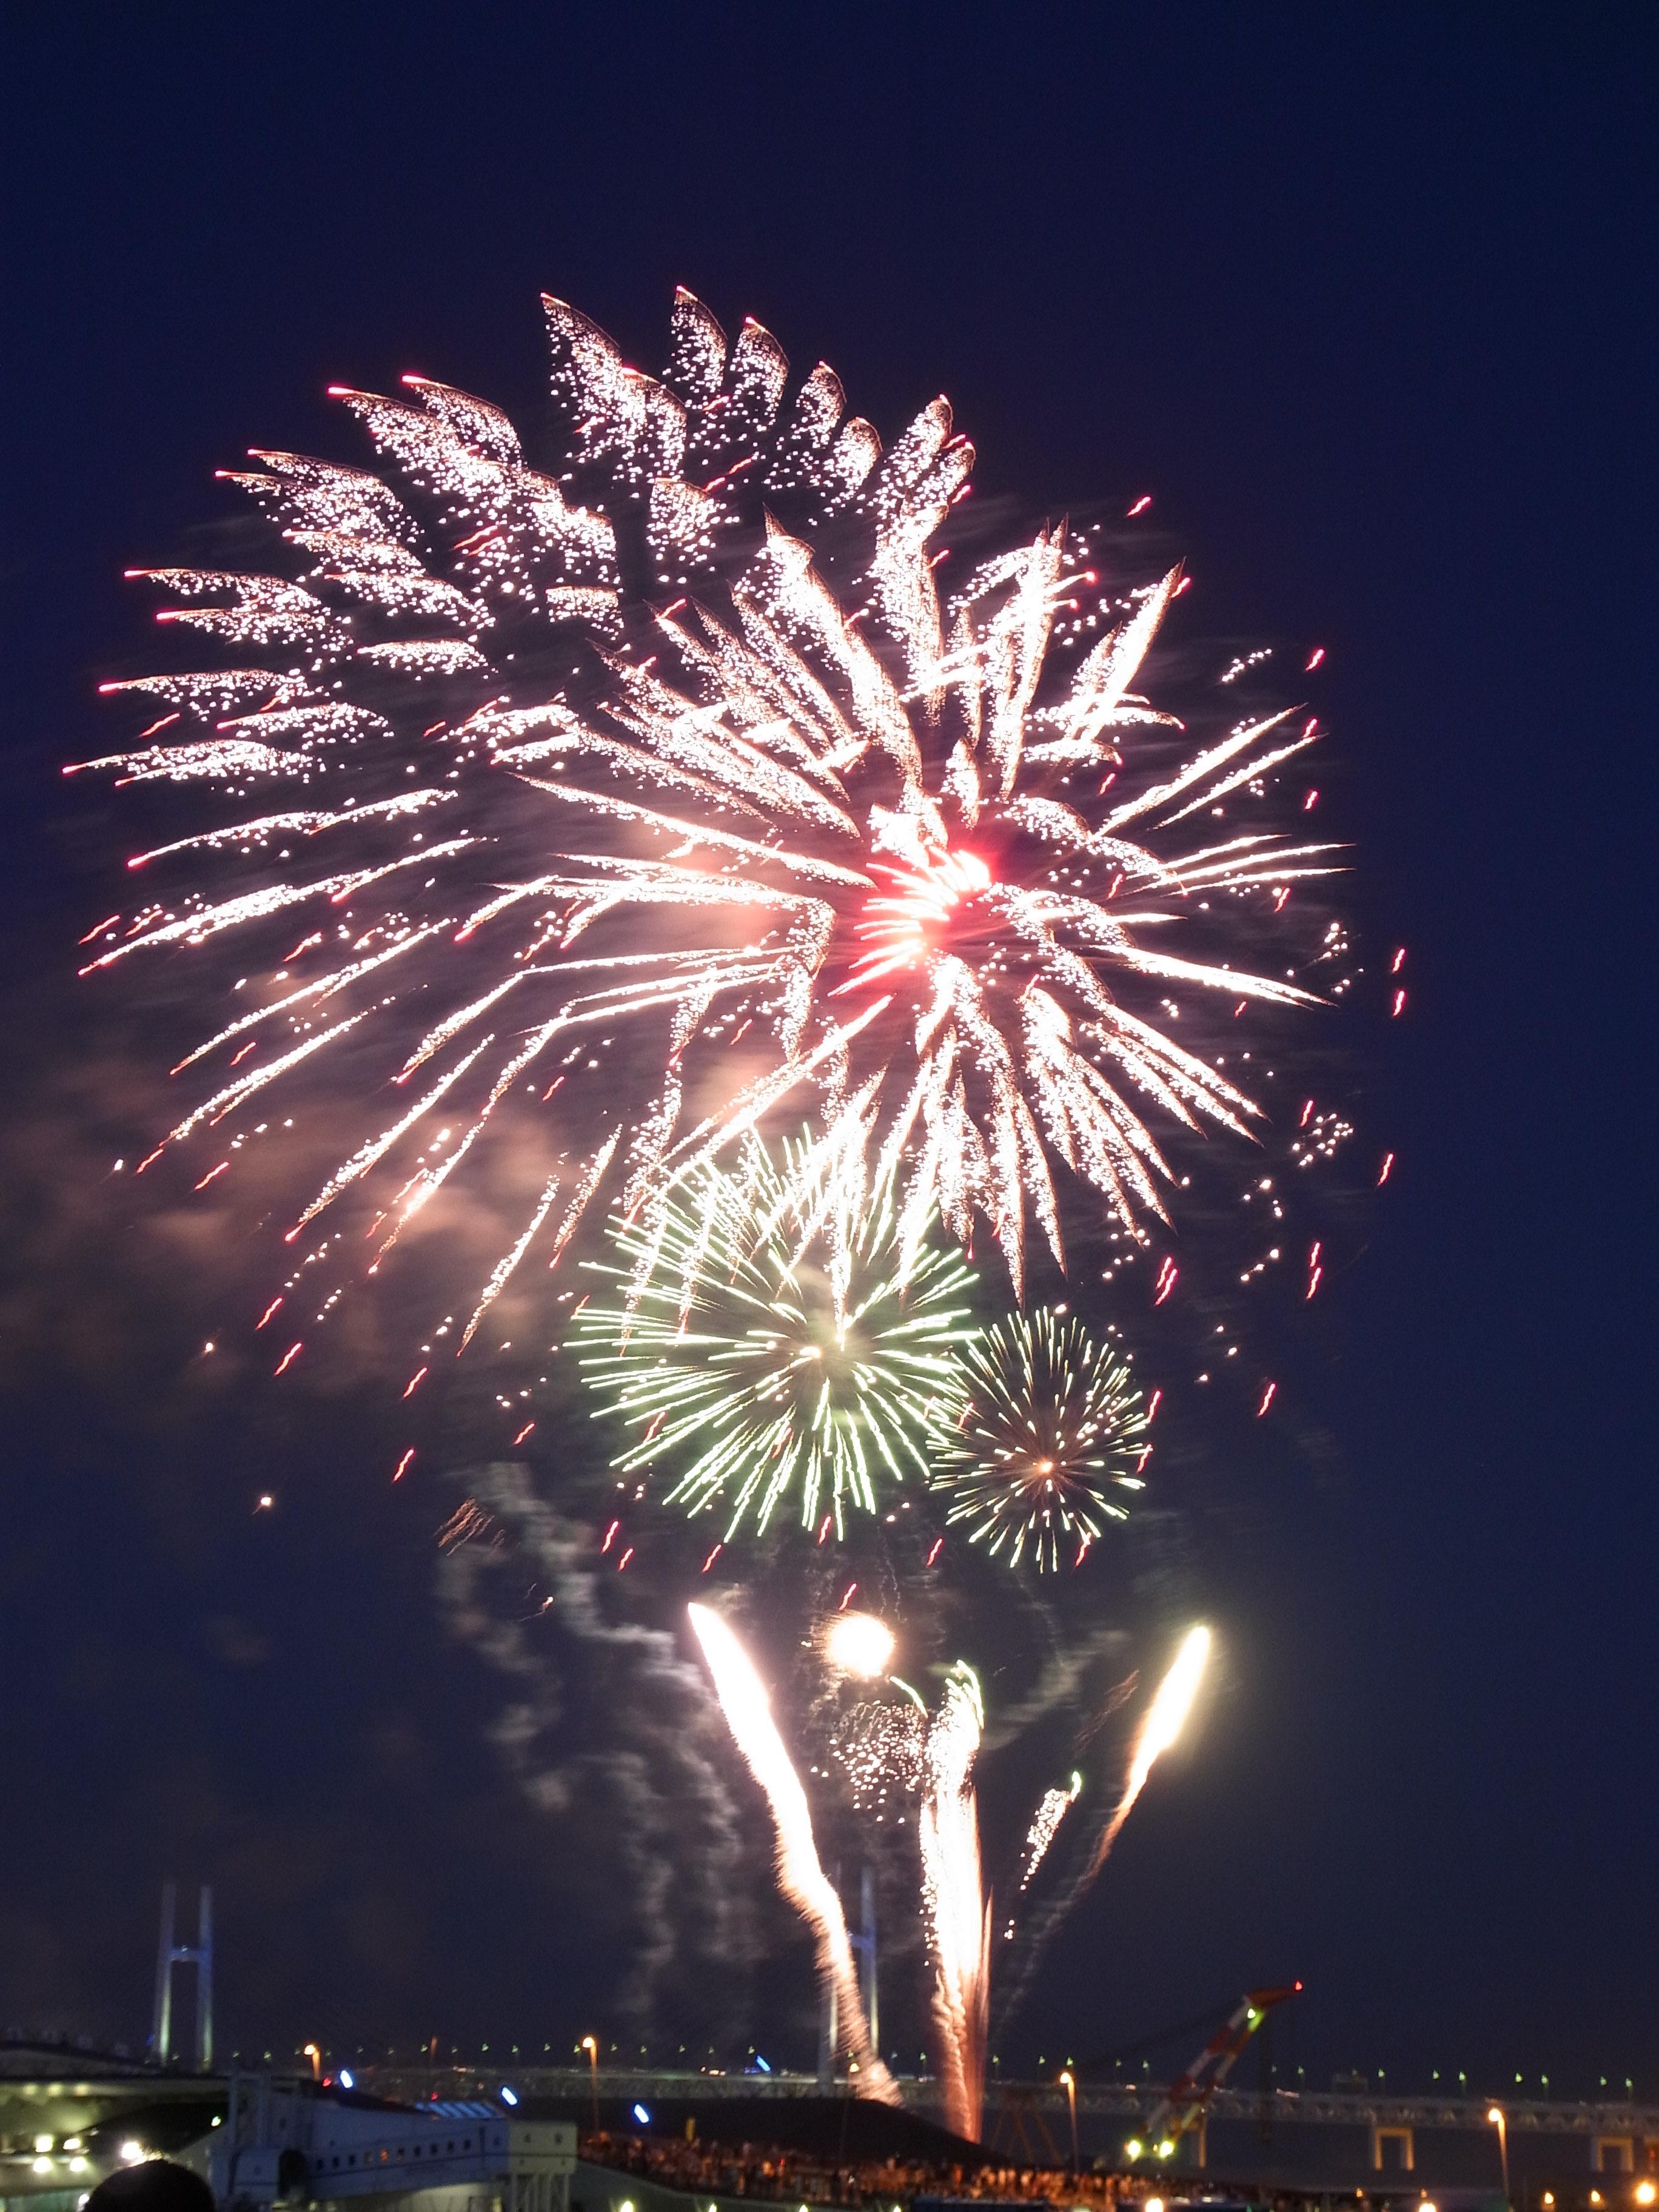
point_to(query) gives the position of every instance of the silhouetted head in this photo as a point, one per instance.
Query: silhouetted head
(156, 2185)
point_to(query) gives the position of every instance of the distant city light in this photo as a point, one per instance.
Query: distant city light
(642, 2116)
(132, 2152)
(346, 2081)
(508, 2096)
(762, 2063)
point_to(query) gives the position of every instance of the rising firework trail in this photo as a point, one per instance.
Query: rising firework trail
(956, 1912)
(1165, 1718)
(558, 825)
(768, 1349)
(800, 1877)
(1051, 1809)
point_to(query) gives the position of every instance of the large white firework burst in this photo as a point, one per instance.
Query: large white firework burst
(767, 1353)
(596, 812)
(1039, 1438)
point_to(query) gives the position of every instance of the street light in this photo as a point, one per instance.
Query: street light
(315, 2056)
(590, 2046)
(1070, 2080)
(1495, 2115)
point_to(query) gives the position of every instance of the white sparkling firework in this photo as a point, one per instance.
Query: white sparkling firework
(1045, 1824)
(800, 1877)
(878, 1748)
(955, 1908)
(741, 815)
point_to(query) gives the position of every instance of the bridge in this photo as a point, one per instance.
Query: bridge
(1558, 2154)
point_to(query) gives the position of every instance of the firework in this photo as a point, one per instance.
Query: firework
(1041, 1427)
(1165, 1718)
(748, 1712)
(955, 1910)
(757, 1357)
(559, 790)
(879, 1749)
(1052, 1810)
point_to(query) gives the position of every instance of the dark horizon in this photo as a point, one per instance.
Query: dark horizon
(1364, 303)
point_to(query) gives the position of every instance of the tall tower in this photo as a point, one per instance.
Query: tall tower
(863, 1941)
(865, 1944)
(170, 1953)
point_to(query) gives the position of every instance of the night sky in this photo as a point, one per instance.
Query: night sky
(1365, 297)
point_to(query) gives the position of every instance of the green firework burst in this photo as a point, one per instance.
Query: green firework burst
(1041, 1432)
(769, 1347)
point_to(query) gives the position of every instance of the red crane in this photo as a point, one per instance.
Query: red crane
(1184, 2105)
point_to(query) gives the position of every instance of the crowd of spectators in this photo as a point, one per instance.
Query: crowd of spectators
(805, 2177)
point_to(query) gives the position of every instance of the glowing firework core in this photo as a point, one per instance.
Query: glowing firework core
(915, 920)
(858, 1644)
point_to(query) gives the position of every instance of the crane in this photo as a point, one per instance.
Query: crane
(1186, 2099)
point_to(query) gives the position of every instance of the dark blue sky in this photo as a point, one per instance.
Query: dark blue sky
(1365, 297)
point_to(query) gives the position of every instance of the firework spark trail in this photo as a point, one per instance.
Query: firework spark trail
(1052, 1810)
(927, 858)
(957, 1910)
(1165, 1718)
(748, 1713)
(771, 1344)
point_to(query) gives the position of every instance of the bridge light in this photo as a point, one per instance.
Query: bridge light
(508, 2096)
(642, 2115)
(1166, 2148)
(1133, 2148)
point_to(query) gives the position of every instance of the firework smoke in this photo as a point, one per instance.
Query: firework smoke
(748, 1713)
(957, 1910)
(605, 1716)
